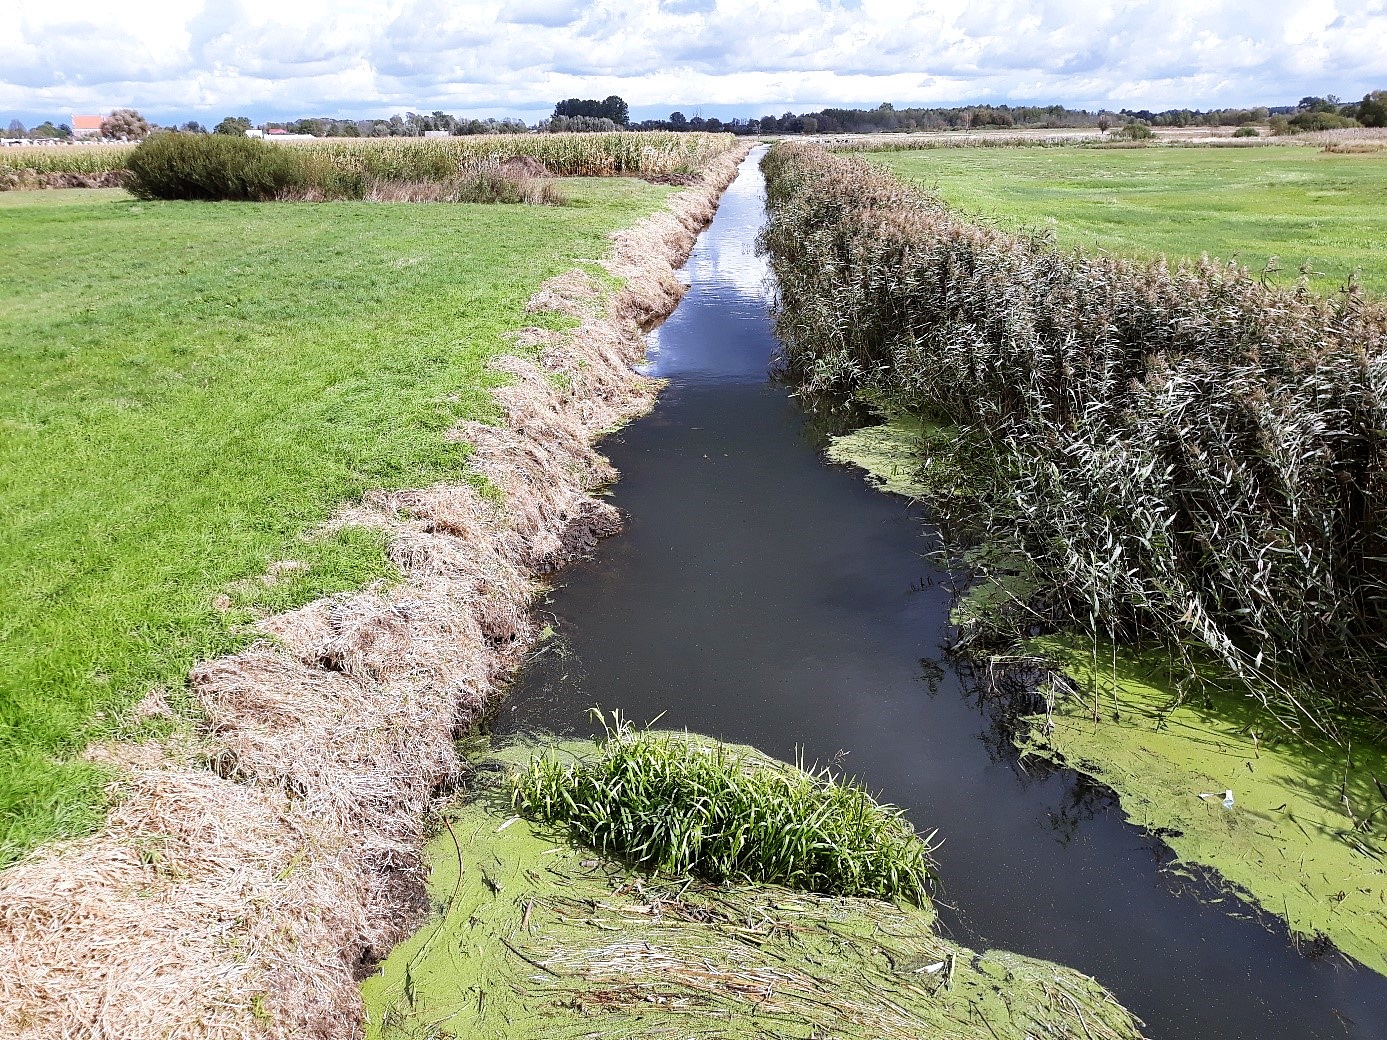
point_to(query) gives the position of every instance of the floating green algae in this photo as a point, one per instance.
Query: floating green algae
(1306, 837)
(890, 453)
(535, 937)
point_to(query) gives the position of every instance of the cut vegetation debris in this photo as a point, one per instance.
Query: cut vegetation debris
(254, 862)
(535, 937)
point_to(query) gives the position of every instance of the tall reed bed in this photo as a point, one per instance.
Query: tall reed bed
(1181, 453)
(353, 162)
(684, 805)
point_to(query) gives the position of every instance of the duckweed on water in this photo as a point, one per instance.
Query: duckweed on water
(1306, 838)
(536, 937)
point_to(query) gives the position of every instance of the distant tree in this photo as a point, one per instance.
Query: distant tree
(1329, 103)
(1372, 110)
(192, 126)
(1135, 132)
(713, 125)
(233, 125)
(47, 129)
(125, 124)
(15, 129)
(615, 109)
(1104, 123)
(569, 124)
(678, 121)
(1247, 131)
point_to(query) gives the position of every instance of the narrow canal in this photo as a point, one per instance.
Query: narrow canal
(762, 596)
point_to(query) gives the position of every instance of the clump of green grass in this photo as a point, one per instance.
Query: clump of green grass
(685, 806)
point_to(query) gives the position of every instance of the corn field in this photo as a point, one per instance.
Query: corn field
(1179, 454)
(645, 154)
(86, 159)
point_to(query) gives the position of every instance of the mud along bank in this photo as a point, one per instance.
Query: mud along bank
(248, 870)
(762, 597)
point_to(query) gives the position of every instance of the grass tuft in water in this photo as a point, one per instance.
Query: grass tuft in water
(682, 805)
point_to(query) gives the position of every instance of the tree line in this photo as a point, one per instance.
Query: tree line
(613, 113)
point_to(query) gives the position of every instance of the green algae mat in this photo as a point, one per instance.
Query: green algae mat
(1305, 838)
(535, 937)
(1306, 835)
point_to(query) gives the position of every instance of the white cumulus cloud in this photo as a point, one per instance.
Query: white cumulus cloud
(175, 59)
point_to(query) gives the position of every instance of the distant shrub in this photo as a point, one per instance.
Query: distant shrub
(212, 167)
(1247, 131)
(1308, 122)
(1135, 132)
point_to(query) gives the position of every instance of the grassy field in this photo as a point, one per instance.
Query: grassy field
(186, 391)
(1301, 205)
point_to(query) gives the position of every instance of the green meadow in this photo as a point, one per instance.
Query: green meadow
(1300, 205)
(187, 391)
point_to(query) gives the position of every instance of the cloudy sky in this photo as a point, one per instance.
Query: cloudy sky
(174, 59)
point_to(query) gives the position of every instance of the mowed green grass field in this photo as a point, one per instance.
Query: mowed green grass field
(1298, 204)
(187, 390)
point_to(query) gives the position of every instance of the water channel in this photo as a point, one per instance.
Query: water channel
(763, 596)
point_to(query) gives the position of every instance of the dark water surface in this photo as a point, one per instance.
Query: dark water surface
(762, 596)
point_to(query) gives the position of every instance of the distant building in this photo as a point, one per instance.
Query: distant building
(87, 127)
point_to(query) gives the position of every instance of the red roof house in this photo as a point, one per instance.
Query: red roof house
(87, 126)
